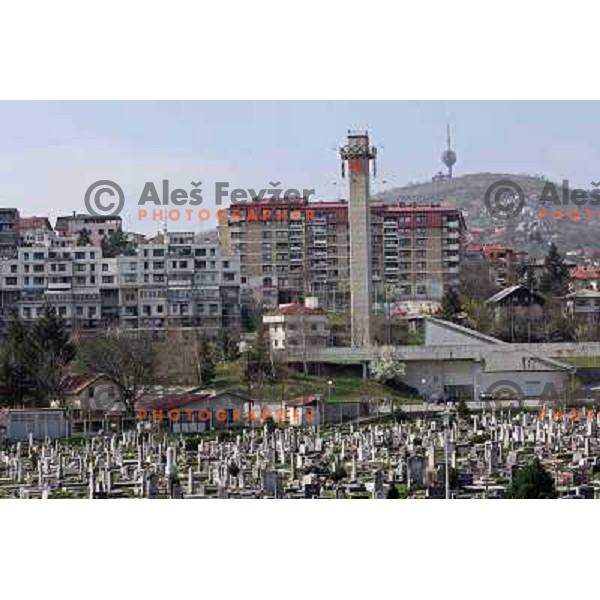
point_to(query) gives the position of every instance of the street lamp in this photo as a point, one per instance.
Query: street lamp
(329, 385)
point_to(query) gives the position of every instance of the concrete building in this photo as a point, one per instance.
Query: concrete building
(19, 424)
(9, 232)
(496, 368)
(500, 262)
(181, 280)
(297, 326)
(289, 249)
(98, 227)
(35, 231)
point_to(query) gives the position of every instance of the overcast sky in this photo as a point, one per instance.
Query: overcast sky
(50, 152)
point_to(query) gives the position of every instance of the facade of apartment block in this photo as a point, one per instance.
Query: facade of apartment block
(98, 227)
(500, 262)
(290, 249)
(179, 280)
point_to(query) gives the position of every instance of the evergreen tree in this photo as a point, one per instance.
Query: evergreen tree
(533, 482)
(261, 366)
(228, 346)
(50, 352)
(16, 382)
(555, 280)
(205, 360)
(451, 306)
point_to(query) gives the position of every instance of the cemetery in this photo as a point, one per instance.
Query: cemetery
(445, 455)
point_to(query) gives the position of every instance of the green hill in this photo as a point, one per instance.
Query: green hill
(526, 232)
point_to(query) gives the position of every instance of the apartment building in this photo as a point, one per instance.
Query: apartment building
(177, 281)
(500, 262)
(290, 249)
(182, 280)
(35, 231)
(9, 232)
(98, 227)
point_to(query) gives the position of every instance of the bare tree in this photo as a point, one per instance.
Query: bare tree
(129, 360)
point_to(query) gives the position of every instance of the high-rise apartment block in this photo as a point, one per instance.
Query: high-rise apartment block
(290, 249)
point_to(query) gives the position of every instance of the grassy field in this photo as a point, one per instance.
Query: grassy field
(582, 361)
(230, 377)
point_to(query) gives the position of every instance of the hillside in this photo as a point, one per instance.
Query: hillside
(525, 232)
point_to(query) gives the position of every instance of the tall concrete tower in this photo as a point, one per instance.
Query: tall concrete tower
(357, 154)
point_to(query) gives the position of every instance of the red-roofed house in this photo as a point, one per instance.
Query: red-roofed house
(586, 278)
(297, 326)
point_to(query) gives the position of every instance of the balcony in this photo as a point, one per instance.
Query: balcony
(54, 286)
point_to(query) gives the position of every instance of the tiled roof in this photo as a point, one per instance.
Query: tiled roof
(172, 402)
(585, 273)
(34, 223)
(75, 384)
(297, 309)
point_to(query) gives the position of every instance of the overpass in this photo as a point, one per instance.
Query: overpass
(346, 355)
